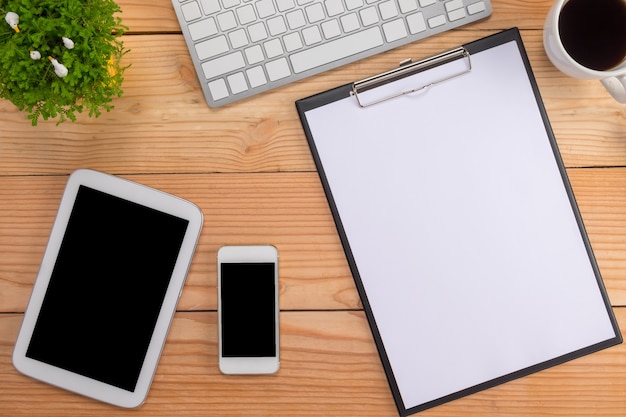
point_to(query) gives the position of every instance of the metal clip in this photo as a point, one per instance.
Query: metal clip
(408, 68)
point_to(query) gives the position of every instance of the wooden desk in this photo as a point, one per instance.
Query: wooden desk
(248, 167)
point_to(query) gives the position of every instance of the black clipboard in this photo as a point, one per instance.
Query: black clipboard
(458, 222)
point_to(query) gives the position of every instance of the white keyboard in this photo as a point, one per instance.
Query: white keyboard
(243, 47)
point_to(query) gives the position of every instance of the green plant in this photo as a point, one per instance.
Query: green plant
(94, 72)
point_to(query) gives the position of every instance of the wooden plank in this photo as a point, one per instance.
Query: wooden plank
(601, 198)
(158, 16)
(329, 368)
(153, 16)
(162, 126)
(162, 123)
(285, 209)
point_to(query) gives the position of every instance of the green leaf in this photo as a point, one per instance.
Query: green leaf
(96, 29)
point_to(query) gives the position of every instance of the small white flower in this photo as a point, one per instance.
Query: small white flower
(59, 69)
(13, 19)
(35, 55)
(69, 44)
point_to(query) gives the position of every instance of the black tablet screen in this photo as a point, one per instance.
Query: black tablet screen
(106, 288)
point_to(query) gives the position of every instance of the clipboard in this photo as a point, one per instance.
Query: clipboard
(458, 222)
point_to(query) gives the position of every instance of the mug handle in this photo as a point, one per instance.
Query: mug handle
(616, 86)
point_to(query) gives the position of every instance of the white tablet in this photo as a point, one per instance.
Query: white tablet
(107, 288)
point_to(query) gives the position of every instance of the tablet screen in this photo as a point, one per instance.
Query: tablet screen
(106, 288)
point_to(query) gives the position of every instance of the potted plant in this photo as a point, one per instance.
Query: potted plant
(60, 57)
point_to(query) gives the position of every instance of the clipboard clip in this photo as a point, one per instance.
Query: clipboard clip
(408, 68)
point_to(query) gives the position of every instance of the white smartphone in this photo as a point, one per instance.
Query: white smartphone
(248, 311)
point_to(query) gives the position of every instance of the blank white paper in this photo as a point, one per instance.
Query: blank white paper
(461, 227)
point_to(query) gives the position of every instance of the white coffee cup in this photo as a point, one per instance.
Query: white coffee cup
(614, 79)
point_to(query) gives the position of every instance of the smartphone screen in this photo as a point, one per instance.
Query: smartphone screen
(248, 309)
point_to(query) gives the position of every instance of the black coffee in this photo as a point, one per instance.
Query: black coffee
(593, 32)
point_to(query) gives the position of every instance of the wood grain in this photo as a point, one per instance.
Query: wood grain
(162, 123)
(329, 367)
(288, 210)
(248, 166)
(159, 17)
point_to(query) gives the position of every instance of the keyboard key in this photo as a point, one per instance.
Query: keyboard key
(237, 83)
(476, 7)
(331, 29)
(369, 16)
(296, 19)
(238, 38)
(202, 29)
(257, 32)
(311, 35)
(350, 22)
(273, 48)
(456, 14)
(226, 21)
(246, 14)
(211, 47)
(336, 49)
(395, 30)
(334, 7)
(265, 8)
(191, 11)
(230, 3)
(426, 3)
(223, 65)
(416, 22)
(256, 76)
(218, 89)
(388, 9)
(354, 4)
(292, 41)
(440, 20)
(276, 25)
(454, 5)
(254, 54)
(278, 69)
(284, 5)
(407, 5)
(210, 6)
(315, 12)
